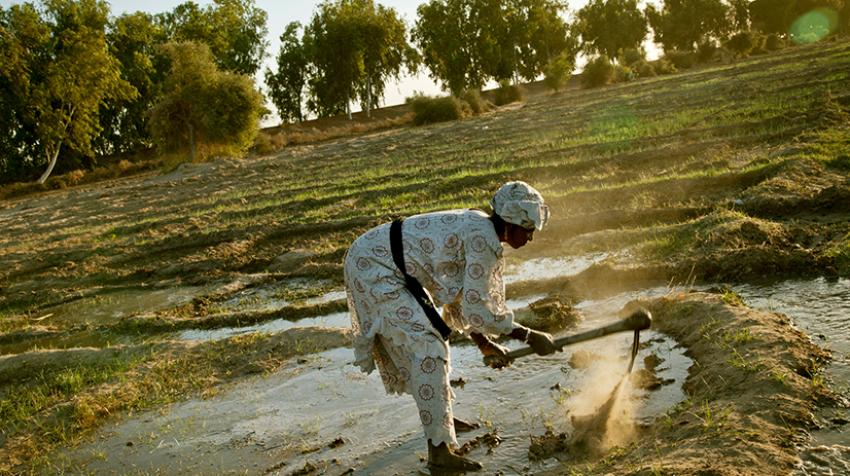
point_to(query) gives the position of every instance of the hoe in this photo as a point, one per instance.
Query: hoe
(637, 321)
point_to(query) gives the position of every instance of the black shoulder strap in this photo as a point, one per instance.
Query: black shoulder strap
(413, 285)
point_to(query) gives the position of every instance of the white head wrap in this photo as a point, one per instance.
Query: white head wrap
(519, 203)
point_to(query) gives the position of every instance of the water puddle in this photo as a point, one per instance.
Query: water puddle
(820, 307)
(338, 319)
(263, 299)
(109, 306)
(326, 298)
(268, 298)
(548, 268)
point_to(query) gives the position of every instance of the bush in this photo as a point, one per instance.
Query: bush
(759, 44)
(598, 72)
(706, 51)
(632, 56)
(558, 71)
(75, 176)
(774, 42)
(681, 59)
(741, 44)
(624, 74)
(473, 100)
(268, 143)
(507, 93)
(644, 69)
(427, 110)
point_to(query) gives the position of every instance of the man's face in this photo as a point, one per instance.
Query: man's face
(517, 236)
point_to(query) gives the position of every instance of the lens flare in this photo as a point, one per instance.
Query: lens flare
(814, 26)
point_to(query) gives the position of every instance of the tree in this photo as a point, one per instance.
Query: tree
(464, 43)
(444, 33)
(23, 35)
(286, 86)
(740, 14)
(609, 27)
(234, 30)
(547, 38)
(133, 39)
(202, 105)
(772, 16)
(354, 47)
(682, 24)
(60, 70)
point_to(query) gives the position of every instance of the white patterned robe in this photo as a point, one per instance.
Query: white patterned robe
(457, 258)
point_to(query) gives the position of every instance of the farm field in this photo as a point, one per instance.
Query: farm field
(194, 322)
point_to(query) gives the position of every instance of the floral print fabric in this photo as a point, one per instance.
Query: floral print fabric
(457, 258)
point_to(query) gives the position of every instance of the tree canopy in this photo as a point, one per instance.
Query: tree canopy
(234, 30)
(465, 43)
(682, 24)
(611, 26)
(286, 86)
(58, 72)
(348, 52)
(203, 106)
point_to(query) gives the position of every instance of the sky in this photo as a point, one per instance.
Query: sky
(282, 12)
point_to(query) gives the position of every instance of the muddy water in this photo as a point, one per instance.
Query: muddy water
(296, 415)
(546, 268)
(105, 308)
(338, 319)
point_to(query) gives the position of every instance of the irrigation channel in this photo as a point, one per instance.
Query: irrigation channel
(321, 415)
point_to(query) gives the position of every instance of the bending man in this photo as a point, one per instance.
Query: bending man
(392, 273)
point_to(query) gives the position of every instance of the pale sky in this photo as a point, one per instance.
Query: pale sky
(282, 12)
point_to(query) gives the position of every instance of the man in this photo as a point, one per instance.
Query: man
(392, 273)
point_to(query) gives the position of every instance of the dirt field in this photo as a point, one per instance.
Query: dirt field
(732, 173)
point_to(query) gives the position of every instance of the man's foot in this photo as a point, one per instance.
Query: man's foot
(443, 458)
(462, 426)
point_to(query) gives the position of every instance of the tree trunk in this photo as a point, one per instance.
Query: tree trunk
(191, 143)
(52, 160)
(368, 97)
(51, 163)
(348, 108)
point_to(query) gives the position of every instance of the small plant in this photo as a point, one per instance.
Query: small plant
(681, 59)
(778, 376)
(624, 74)
(508, 93)
(558, 71)
(706, 51)
(428, 110)
(774, 42)
(740, 362)
(664, 66)
(598, 72)
(630, 56)
(472, 99)
(731, 298)
(644, 69)
(741, 336)
(741, 44)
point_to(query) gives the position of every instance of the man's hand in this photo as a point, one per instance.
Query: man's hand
(497, 353)
(541, 342)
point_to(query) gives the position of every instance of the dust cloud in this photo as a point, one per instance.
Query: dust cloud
(601, 410)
